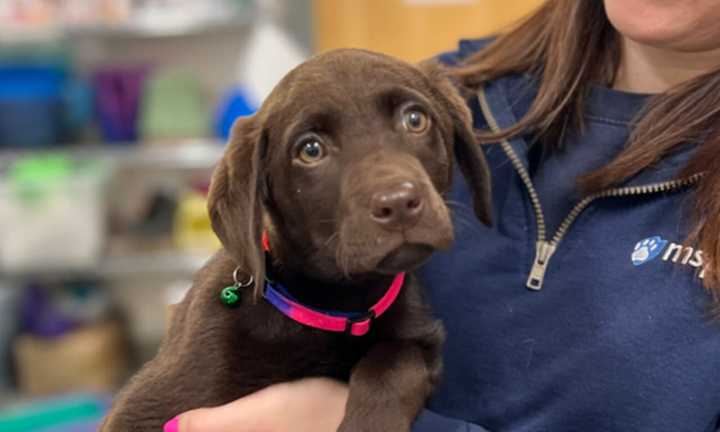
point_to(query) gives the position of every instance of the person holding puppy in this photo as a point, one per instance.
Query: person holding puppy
(589, 306)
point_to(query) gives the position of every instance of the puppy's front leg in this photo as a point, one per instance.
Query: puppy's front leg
(388, 388)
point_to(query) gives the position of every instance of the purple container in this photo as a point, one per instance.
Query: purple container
(118, 92)
(39, 317)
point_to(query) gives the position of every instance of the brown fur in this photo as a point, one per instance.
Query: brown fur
(326, 249)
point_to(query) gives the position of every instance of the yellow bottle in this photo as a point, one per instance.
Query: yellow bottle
(192, 230)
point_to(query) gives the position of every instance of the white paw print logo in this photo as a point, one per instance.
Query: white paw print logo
(647, 250)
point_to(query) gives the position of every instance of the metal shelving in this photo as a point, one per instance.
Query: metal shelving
(131, 28)
(175, 155)
(182, 154)
(175, 263)
(151, 29)
(190, 154)
(126, 267)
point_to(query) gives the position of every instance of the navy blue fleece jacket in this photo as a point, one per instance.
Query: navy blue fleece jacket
(616, 335)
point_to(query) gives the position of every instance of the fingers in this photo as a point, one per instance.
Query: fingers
(285, 407)
(246, 414)
(205, 419)
(209, 420)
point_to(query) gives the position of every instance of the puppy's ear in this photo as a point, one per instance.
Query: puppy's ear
(468, 154)
(235, 199)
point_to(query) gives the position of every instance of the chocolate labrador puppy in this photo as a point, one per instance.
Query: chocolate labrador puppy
(340, 175)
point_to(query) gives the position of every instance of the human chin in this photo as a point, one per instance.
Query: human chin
(681, 25)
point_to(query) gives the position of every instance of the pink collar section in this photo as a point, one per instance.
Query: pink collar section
(355, 324)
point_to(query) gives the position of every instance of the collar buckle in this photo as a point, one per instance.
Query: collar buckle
(368, 317)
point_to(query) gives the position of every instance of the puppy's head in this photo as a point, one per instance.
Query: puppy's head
(346, 163)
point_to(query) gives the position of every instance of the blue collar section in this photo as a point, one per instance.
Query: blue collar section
(274, 293)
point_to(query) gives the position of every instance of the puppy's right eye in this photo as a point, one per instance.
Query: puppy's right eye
(415, 121)
(311, 151)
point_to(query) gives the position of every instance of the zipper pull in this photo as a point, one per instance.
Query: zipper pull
(544, 250)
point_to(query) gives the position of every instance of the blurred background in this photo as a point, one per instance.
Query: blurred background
(112, 116)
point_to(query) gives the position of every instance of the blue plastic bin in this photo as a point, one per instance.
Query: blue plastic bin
(30, 104)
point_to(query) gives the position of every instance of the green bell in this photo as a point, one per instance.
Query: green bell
(230, 296)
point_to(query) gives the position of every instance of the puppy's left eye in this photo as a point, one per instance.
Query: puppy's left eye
(311, 151)
(415, 121)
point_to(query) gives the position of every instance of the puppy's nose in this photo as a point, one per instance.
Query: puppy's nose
(397, 207)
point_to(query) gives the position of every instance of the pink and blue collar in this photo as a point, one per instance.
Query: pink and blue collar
(352, 323)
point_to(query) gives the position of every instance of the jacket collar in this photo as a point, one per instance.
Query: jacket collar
(510, 97)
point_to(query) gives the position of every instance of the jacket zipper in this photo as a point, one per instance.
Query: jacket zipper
(544, 248)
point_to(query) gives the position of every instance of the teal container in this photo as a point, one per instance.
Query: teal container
(71, 414)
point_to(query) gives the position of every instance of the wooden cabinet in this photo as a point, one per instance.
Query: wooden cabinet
(411, 29)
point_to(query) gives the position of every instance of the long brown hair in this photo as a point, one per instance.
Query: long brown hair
(571, 44)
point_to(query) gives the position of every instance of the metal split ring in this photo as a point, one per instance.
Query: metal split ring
(249, 282)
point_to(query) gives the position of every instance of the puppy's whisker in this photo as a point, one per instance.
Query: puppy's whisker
(340, 258)
(332, 238)
(345, 266)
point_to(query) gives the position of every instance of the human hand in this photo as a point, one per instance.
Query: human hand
(307, 405)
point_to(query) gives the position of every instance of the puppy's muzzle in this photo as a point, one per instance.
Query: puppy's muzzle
(398, 206)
